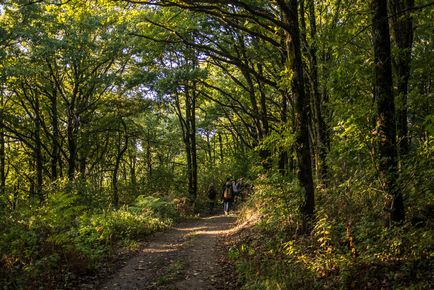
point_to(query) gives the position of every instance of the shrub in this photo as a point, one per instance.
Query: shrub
(53, 244)
(349, 247)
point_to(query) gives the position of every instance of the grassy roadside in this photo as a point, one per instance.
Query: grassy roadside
(351, 250)
(53, 246)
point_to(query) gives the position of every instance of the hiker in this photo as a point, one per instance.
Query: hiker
(211, 193)
(227, 195)
(235, 188)
(241, 188)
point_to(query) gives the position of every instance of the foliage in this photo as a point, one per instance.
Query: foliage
(115, 117)
(347, 248)
(64, 239)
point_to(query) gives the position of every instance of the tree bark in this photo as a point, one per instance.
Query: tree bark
(82, 169)
(221, 147)
(264, 153)
(283, 155)
(193, 142)
(301, 103)
(2, 153)
(321, 127)
(55, 159)
(149, 158)
(38, 153)
(209, 150)
(72, 146)
(386, 131)
(133, 166)
(402, 26)
(190, 142)
(121, 150)
(188, 126)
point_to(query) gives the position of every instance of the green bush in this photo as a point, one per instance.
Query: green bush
(349, 247)
(62, 239)
(159, 207)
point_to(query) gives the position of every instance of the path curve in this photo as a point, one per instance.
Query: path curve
(185, 256)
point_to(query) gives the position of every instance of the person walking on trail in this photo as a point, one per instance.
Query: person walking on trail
(235, 188)
(227, 195)
(212, 194)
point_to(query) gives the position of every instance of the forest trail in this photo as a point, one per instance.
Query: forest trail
(186, 256)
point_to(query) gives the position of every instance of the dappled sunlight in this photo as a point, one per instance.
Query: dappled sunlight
(214, 233)
(189, 229)
(163, 249)
(214, 217)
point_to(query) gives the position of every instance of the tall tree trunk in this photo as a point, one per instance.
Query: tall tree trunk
(301, 102)
(188, 127)
(326, 60)
(386, 111)
(255, 108)
(308, 88)
(82, 169)
(193, 142)
(133, 166)
(72, 146)
(318, 127)
(221, 146)
(188, 151)
(263, 103)
(55, 158)
(321, 127)
(283, 155)
(264, 153)
(209, 150)
(38, 153)
(120, 152)
(190, 143)
(2, 153)
(402, 24)
(149, 158)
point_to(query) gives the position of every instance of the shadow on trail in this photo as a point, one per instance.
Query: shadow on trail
(182, 257)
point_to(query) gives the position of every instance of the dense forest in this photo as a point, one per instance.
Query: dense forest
(115, 116)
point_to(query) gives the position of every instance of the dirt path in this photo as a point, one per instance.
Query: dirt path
(184, 257)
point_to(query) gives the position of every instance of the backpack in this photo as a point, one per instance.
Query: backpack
(211, 193)
(227, 194)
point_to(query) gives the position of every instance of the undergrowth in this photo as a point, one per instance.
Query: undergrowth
(50, 246)
(348, 248)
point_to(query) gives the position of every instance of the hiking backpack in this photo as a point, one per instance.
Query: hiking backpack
(227, 194)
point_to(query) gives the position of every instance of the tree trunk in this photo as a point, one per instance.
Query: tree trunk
(82, 169)
(72, 146)
(402, 24)
(133, 165)
(221, 147)
(263, 117)
(121, 150)
(209, 150)
(2, 154)
(193, 142)
(38, 153)
(386, 111)
(321, 127)
(189, 167)
(283, 155)
(301, 102)
(190, 144)
(55, 159)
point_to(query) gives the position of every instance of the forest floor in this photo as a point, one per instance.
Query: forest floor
(190, 255)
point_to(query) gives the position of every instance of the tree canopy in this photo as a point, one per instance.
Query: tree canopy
(326, 108)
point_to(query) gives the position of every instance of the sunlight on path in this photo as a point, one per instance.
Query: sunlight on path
(183, 257)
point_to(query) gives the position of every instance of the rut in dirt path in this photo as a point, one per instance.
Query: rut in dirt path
(183, 257)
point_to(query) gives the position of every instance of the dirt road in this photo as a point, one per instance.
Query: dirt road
(186, 256)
